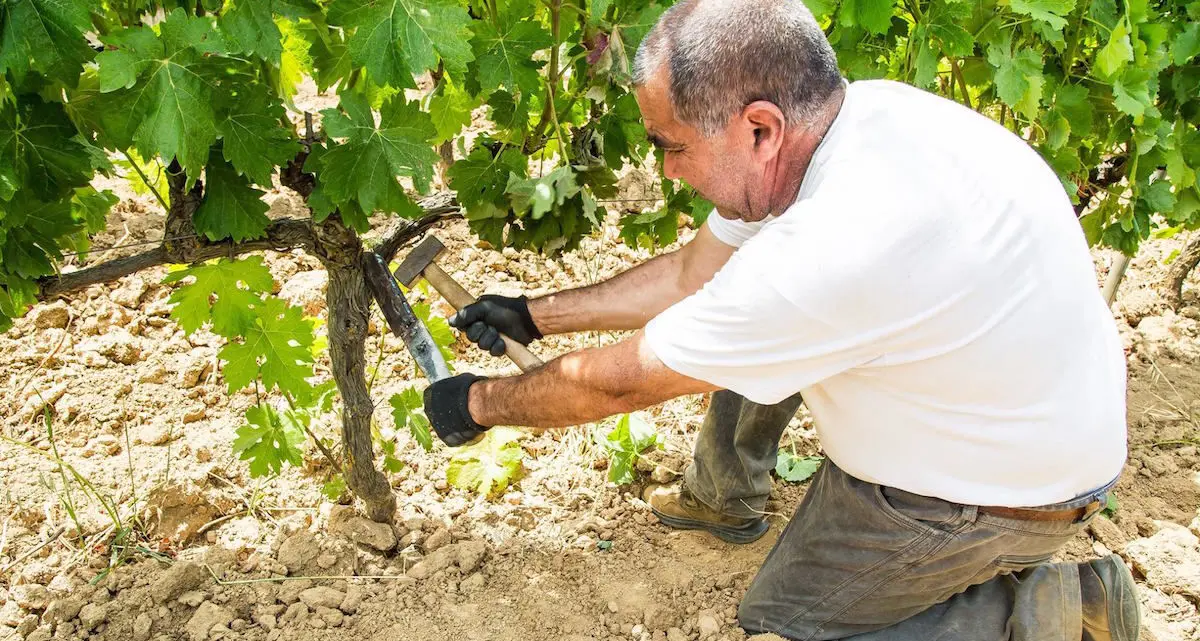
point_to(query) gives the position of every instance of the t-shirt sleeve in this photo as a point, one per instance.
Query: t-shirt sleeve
(763, 327)
(732, 232)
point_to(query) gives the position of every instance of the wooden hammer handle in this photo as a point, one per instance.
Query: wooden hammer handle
(460, 298)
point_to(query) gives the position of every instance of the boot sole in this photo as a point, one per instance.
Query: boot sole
(746, 534)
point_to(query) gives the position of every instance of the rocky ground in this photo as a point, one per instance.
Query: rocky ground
(143, 424)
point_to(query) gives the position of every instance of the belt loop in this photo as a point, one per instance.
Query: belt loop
(970, 513)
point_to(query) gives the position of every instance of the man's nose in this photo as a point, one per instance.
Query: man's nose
(671, 168)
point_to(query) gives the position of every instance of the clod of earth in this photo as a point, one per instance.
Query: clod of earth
(345, 522)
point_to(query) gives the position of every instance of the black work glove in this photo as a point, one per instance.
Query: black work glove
(485, 319)
(446, 408)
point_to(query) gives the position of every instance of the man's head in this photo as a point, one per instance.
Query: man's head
(728, 90)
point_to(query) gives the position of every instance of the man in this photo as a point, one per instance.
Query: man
(911, 269)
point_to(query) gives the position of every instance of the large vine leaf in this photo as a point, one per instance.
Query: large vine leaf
(395, 39)
(224, 292)
(275, 347)
(408, 410)
(46, 36)
(364, 167)
(504, 53)
(167, 77)
(254, 141)
(39, 151)
(231, 208)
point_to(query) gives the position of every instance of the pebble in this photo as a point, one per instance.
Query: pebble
(30, 596)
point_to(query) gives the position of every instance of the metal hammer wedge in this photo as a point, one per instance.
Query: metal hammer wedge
(421, 262)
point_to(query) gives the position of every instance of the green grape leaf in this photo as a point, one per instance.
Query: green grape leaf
(270, 439)
(632, 33)
(821, 9)
(165, 76)
(46, 36)
(873, 15)
(1018, 78)
(1074, 104)
(504, 54)
(796, 469)
(395, 39)
(489, 466)
(408, 410)
(1051, 12)
(40, 151)
(1133, 98)
(701, 210)
(542, 194)
(1116, 54)
(1158, 197)
(480, 179)
(365, 166)
(275, 346)
(225, 292)
(254, 139)
(249, 27)
(450, 109)
(1187, 44)
(231, 207)
(91, 207)
(32, 232)
(330, 55)
(334, 488)
(624, 443)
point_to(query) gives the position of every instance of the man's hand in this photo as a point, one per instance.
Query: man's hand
(485, 319)
(446, 408)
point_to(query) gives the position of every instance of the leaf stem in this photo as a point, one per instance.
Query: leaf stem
(956, 69)
(324, 450)
(146, 181)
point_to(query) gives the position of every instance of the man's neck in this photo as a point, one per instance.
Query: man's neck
(797, 154)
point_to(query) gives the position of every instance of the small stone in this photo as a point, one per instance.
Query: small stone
(322, 596)
(473, 583)
(295, 612)
(27, 625)
(195, 414)
(290, 592)
(299, 550)
(437, 540)
(191, 598)
(43, 633)
(331, 616)
(92, 615)
(30, 596)
(1161, 465)
(659, 617)
(707, 624)
(130, 293)
(1107, 532)
(267, 622)
(62, 610)
(191, 375)
(154, 433)
(353, 598)
(177, 579)
(470, 555)
(207, 616)
(141, 627)
(663, 474)
(612, 607)
(156, 374)
(637, 630)
(326, 561)
(345, 522)
(55, 315)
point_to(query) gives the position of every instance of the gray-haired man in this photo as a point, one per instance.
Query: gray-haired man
(913, 271)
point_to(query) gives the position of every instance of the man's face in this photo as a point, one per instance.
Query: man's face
(719, 167)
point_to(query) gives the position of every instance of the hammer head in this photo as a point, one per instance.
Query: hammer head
(418, 259)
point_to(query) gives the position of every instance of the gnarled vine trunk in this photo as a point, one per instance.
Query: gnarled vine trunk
(349, 304)
(1183, 265)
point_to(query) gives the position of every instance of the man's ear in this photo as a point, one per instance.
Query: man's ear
(768, 125)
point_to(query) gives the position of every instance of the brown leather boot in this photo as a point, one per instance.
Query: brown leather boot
(1109, 599)
(676, 507)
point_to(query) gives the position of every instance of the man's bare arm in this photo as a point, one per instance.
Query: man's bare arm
(630, 299)
(581, 387)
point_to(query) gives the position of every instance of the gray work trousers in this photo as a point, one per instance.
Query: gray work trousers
(863, 561)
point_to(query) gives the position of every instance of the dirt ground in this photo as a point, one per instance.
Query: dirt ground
(143, 420)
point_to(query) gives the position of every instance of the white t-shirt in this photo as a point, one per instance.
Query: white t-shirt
(931, 295)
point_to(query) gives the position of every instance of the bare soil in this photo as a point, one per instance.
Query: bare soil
(142, 416)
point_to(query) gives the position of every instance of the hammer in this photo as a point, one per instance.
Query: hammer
(420, 262)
